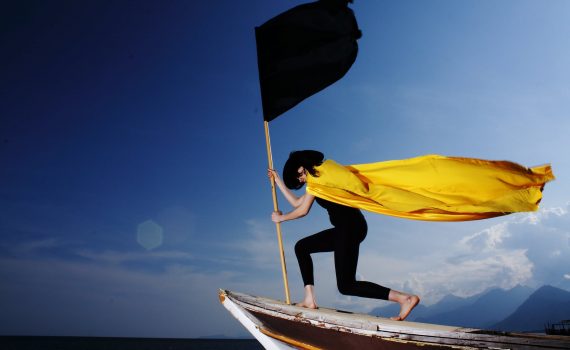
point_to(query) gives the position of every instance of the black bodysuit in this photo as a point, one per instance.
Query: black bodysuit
(344, 240)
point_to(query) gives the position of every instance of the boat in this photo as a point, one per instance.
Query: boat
(277, 325)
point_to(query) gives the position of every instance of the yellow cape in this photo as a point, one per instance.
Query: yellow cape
(433, 187)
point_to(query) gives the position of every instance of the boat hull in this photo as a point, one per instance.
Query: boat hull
(323, 337)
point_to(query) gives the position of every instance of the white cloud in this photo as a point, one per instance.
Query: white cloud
(48, 297)
(527, 249)
(111, 298)
(116, 257)
(259, 248)
(473, 274)
(122, 293)
(488, 239)
(530, 249)
(30, 247)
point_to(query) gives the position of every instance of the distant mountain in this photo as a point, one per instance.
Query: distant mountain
(394, 309)
(478, 311)
(547, 304)
(451, 302)
(488, 309)
(447, 303)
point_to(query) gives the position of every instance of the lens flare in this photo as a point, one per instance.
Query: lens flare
(149, 235)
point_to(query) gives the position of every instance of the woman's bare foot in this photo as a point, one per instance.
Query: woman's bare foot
(308, 305)
(407, 304)
(309, 301)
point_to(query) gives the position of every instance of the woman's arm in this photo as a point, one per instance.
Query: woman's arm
(287, 193)
(300, 211)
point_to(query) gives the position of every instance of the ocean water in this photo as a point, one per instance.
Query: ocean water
(95, 343)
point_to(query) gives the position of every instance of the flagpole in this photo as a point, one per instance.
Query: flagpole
(276, 208)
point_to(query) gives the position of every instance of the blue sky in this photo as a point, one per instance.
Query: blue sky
(133, 164)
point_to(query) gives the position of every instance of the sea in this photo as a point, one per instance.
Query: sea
(101, 343)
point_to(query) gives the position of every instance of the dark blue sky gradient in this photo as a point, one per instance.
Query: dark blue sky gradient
(115, 105)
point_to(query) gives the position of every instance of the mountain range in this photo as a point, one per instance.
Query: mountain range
(518, 309)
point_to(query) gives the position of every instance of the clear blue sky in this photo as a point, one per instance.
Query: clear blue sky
(127, 117)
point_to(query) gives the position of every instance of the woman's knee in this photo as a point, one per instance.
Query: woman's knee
(345, 287)
(300, 248)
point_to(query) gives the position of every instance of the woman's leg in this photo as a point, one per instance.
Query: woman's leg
(346, 261)
(317, 243)
(347, 245)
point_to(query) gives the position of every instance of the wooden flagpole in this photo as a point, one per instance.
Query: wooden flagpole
(276, 208)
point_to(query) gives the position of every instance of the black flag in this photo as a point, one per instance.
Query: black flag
(302, 51)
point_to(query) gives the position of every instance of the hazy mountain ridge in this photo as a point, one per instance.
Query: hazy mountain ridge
(520, 308)
(547, 305)
(489, 308)
(449, 302)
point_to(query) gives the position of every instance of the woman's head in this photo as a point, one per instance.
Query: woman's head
(306, 160)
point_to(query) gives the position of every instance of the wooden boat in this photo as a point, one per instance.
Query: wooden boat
(277, 325)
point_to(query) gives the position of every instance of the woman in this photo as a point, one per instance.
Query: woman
(344, 238)
(431, 188)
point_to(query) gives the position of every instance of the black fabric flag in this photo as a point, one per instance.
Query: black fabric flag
(302, 51)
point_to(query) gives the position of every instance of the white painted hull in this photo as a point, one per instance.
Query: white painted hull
(253, 326)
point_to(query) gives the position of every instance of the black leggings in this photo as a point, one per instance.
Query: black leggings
(345, 244)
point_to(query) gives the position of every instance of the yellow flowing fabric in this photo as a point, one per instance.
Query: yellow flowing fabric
(433, 187)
